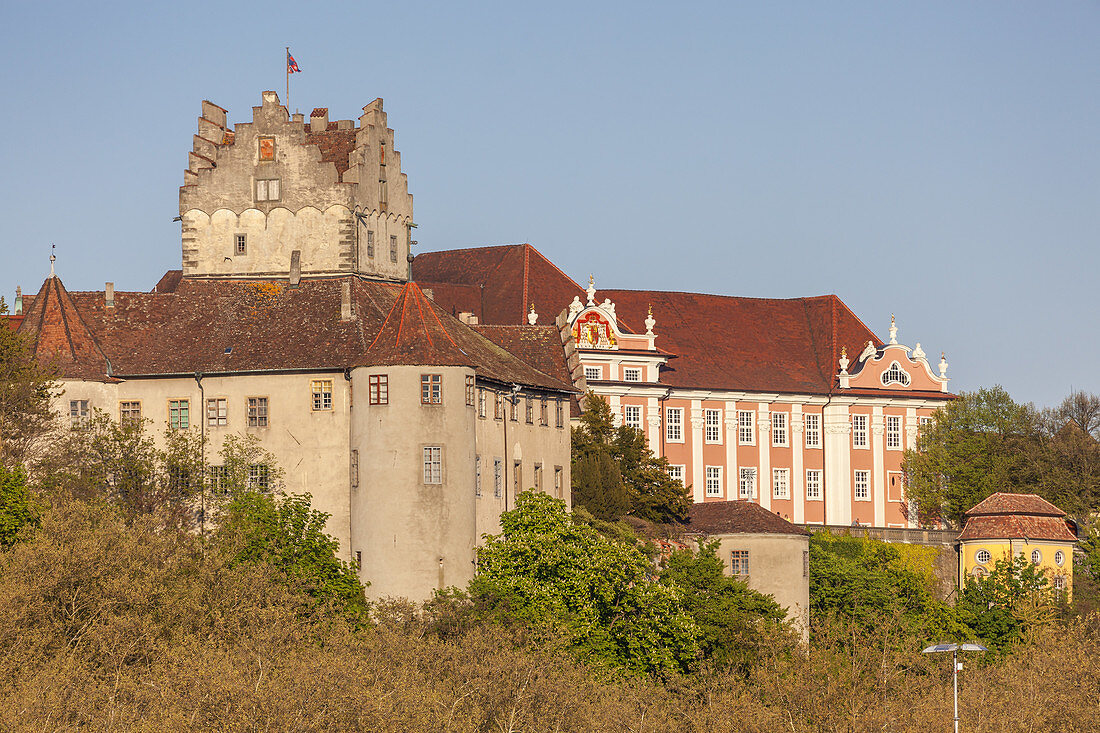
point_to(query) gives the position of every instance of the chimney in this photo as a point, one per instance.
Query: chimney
(297, 117)
(318, 119)
(295, 268)
(468, 318)
(109, 294)
(18, 300)
(345, 301)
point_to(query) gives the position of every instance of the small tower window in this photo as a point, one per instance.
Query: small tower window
(393, 248)
(370, 244)
(267, 190)
(240, 244)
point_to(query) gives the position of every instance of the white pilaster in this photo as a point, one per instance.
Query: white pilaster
(798, 474)
(698, 481)
(615, 402)
(912, 425)
(837, 486)
(764, 443)
(878, 472)
(653, 423)
(733, 487)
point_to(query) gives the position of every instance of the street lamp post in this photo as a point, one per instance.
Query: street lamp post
(956, 665)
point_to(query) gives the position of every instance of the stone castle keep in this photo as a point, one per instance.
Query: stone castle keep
(283, 194)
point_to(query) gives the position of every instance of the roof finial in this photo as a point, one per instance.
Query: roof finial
(53, 258)
(943, 365)
(844, 361)
(532, 317)
(591, 290)
(650, 321)
(893, 330)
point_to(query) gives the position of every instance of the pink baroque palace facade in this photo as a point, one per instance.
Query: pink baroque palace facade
(793, 404)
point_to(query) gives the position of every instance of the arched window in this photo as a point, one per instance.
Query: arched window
(1059, 558)
(895, 375)
(983, 556)
(1036, 557)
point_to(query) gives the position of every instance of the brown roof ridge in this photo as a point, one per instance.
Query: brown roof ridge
(720, 295)
(1004, 502)
(547, 260)
(481, 248)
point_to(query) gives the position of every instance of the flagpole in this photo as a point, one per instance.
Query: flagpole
(286, 62)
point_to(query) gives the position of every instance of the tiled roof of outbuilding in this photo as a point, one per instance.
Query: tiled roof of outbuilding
(1007, 516)
(1005, 503)
(737, 517)
(213, 326)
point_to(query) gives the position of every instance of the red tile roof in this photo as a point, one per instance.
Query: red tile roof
(737, 517)
(1013, 516)
(539, 346)
(514, 276)
(1005, 503)
(62, 339)
(215, 326)
(721, 342)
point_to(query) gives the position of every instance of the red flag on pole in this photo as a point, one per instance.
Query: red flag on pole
(291, 64)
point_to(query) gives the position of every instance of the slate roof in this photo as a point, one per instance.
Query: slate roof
(214, 326)
(720, 342)
(1013, 516)
(737, 517)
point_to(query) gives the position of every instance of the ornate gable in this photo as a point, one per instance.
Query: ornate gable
(892, 367)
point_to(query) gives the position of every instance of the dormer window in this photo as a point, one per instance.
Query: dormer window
(267, 189)
(895, 375)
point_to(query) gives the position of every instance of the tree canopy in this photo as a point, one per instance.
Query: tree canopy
(615, 473)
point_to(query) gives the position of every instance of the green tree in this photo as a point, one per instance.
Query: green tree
(976, 445)
(1000, 607)
(651, 493)
(17, 509)
(736, 624)
(553, 574)
(26, 419)
(285, 532)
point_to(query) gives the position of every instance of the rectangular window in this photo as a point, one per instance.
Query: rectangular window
(632, 374)
(805, 563)
(477, 475)
(925, 422)
(529, 410)
(370, 244)
(267, 190)
(781, 483)
(536, 480)
(714, 480)
(217, 412)
(393, 248)
(632, 416)
(813, 484)
(322, 394)
(498, 477)
(593, 372)
(431, 389)
(498, 406)
(813, 431)
(862, 485)
(893, 432)
(544, 412)
(859, 431)
(746, 434)
(259, 477)
(674, 424)
(217, 479)
(713, 423)
(354, 468)
(433, 465)
(179, 414)
(78, 414)
(378, 389)
(677, 473)
(240, 246)
(558, 488)
(779, 429)
(129, 412)
(470, 387)
(559, 410)
(513, 405)
(748, 483)
(739, 562)
(517, 478)
(481, 404)
(257, 412)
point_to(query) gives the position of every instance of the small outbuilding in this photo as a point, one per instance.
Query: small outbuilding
(768, 552)
(1007, 525)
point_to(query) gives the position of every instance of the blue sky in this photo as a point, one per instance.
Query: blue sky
(939, 161)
